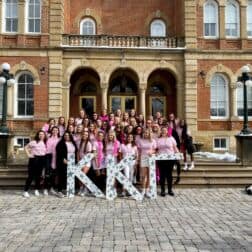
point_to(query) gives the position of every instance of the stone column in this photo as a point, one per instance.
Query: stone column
(66, 99)
(243, 26)
(232, 102)
(180, 100)
(222, 24)
(21, 17)
(142, 103)
(104, 102)
(10, 100)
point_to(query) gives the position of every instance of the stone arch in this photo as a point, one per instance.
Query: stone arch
(88, 13)
(73, 68)
(202, 2)
(24, 66)
(223, 2)
(178, 75)
(220, 69)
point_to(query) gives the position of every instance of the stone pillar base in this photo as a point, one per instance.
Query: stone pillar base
(244, 149)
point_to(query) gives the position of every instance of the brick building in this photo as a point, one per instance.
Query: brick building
(173, 56)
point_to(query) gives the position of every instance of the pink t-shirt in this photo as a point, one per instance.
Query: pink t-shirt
(166, 145)
(62, 130)
(51, 149)
(88, 149)
(77, 140)
(128, 149)
(137, 139)
(70, 148)
(37, 148)
(146, 146)
(112, 148)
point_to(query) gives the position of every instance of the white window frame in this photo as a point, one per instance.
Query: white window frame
(4, 19)
(220, 148)
(159, 22)
(212, 2)
(249, 18)
(27, 18)
(15, 142)
(16, 97)
(235, 3)
(82, 24)
(227, 97)
(248, 99)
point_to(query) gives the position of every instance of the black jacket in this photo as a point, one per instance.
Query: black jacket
(61, 154)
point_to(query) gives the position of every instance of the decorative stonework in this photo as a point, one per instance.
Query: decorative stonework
(24, 66)
(219, 69)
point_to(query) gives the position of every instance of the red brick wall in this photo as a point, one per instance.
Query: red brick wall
(120, 17)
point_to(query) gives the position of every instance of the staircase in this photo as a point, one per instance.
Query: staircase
(205, 174)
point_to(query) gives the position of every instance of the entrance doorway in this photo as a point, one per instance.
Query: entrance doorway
(85, 91)
(161, 93)
(123, 91)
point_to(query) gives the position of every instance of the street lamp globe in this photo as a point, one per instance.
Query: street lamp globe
(248, 83)
(5, 67)
(245, 69)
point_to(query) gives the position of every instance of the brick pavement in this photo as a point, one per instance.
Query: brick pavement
(195, 220)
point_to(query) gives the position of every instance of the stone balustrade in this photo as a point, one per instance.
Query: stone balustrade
(122, 41)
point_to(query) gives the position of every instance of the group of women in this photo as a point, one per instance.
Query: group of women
(117, 134)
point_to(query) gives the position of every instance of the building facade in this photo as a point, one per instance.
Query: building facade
(170, 56)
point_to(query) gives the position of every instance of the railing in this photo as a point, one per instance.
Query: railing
(122, 41)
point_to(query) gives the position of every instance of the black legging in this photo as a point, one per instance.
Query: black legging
(50, 173)
(165, 168)
(35, 167)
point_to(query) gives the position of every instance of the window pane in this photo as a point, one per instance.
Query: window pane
(29, 108)
(129, 104)
(216, 143)
(88, 105)
(31, 13)
(31, 25)
(20, 142)
(29, 91)
(157, 105)
(21, 107)
(37, 11)
(37, 25)
(21, 91)
(158, 28)
(116, 103)
(223, 143)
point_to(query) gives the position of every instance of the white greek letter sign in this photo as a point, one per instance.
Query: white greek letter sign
(75, 170)
(114, 172)
(152, 165)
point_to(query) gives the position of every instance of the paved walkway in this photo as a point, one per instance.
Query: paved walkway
(195, 220)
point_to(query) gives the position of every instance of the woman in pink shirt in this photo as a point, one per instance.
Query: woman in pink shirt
(61, 125)
(51, 171)
(129, 148)
(112, 145)
(166, 144)
(146, 147)
(85, 148)
(36, 151)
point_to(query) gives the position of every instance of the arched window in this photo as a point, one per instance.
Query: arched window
(219, 96)
(25, 103)
(158, 28)
(249, 19)
(34, 16)
(87, 27)
(239, 99)
(10, 12)
(211, 17)
(232, 19)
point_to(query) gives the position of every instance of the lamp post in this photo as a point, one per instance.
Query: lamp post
(6, 79)
(245, 80)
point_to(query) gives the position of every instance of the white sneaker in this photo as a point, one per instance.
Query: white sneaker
(52, 191)
(45, 192)
(191, 167)
(61, 195)
(148, 195)
(36, 192)
(185, 167)
(26, 194)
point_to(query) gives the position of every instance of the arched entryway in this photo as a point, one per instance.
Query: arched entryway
(161, 93)
(123, 90)
(85, 91)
